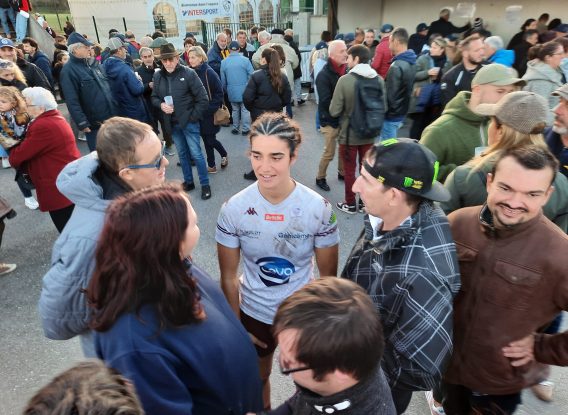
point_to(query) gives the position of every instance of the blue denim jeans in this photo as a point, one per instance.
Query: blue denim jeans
(21, 27)
(188, 144)
(92, 139)
(240, 114)
(6, 14)
(390, 130)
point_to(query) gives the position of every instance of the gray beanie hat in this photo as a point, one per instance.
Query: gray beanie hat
(522, 110)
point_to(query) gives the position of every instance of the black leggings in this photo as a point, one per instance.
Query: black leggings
(60, 217)
(211, 144)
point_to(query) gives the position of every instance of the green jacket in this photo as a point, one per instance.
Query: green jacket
(343, 99)
(467, 188)
(454, 136)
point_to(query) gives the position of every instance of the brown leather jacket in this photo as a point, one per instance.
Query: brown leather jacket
(513, 284)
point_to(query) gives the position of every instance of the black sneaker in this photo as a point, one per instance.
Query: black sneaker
(188, 186)
(250, 175)
(340, 177)
(361, 206)
(245, 133)
(301, 102)
(206, 192)
(322, 184)
(351, 209)
(235, 131)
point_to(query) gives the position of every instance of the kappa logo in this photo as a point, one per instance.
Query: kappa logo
(275, 270)
(251, 211)
(274, 217)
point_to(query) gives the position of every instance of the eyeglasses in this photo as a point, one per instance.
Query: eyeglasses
(293, 370)
(156, 165)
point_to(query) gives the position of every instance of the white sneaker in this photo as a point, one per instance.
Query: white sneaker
(5, 163)
(82, 136)
(31, 203)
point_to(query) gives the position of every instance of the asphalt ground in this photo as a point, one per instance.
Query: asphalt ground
(28, 360)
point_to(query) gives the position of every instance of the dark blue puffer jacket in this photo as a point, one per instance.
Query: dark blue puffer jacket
(127, 90)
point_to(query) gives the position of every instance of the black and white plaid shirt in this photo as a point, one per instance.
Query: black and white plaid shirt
(412, 275)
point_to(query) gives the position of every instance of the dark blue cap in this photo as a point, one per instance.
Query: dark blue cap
(387, 28)
(349, 37)
(339, 36)
(421, 27)
(321, 45)
(77, 38)
(6, 43)
(234, 45)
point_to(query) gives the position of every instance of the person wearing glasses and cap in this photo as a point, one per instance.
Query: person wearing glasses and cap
(405, 259)
(129, 156)
(331, 343)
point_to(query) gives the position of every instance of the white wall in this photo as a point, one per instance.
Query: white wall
(408, 13)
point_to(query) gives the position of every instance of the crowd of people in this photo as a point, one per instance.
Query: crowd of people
(455, 285)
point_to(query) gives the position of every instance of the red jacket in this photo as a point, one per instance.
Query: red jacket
(49, 146)
(383, 57)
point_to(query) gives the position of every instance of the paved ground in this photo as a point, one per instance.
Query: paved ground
(28, 360)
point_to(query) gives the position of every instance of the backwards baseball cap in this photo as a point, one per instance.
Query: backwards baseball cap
(115, 43)
(408, 166)
(523, 111)
(498, 75)
(561, 92)
(234, 45)
(421, 27)
(77, 38)
(387, 28)
(561, 28)
(6, 43)
(349, 37)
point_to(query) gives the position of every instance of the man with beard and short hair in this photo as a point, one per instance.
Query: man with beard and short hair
(459, 77)
(513, 270)
(460, 133)
(557, 136)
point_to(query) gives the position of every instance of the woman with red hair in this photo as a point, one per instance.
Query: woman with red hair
(160, 320)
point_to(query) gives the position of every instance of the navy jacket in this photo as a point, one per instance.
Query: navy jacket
(215, 56)
(87, 92)
(187, 91)
(41, 60)
(198, 369)
(127, 90)
(554, 142)
(206, 124)
(260, 96)
(34, 76)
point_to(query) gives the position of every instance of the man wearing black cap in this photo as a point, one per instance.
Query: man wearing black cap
(87, 92)
(417, 40)
(405, 259)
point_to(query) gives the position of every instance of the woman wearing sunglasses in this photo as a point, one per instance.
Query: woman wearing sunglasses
(160, 320)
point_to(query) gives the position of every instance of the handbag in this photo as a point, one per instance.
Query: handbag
(222, 115)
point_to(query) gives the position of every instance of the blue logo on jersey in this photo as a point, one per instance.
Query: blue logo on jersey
(275, 271)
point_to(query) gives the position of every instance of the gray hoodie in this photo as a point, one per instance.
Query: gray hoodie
(542, 79)
(62, 306)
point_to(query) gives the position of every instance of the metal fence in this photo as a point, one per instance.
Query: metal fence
(209, 30)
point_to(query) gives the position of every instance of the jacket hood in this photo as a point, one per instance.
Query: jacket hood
(458, 107)
(76, 183)
(407, 56)
(537, 70)
(365, 70)
(113, 66)
(503, 56)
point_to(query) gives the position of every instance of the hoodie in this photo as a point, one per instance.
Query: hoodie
(126, 88)
(62, 306)
(455, 135)
(343, 101)
(542, 79)
(504, 57)
(399, 84)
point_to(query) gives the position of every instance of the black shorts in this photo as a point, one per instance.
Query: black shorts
(262, 332)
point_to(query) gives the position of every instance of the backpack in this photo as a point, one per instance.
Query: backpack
(368, 109)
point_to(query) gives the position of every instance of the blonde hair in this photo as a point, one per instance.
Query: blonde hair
(6, 65)
(15, 96)
(199, 52)
(511, 138)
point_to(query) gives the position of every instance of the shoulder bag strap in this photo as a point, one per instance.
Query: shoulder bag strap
(207, 82)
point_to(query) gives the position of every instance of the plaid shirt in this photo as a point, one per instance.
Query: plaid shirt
(412, 276)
